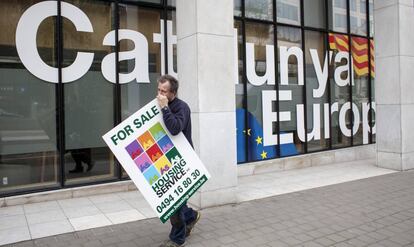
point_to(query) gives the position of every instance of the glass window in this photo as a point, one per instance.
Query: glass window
(371, 18)
(242, 136)
(288, 11)
(337, 16)
(358, 17)
(360, 90)
(290, 64)
(239, 57)
(148, 1)
(89, 101)
(259, 9)
(317, 101)
(28, 148)
(171, 3)
(373, 122)
(339, 3)
(353, 4)
(314, 13)
(260, 71)
(339, 80)
(237, 8)
(172, 61)
(138, 92)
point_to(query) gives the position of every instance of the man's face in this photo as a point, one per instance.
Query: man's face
(164, 89)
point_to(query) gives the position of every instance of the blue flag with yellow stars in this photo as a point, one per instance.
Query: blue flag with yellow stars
(254, 132)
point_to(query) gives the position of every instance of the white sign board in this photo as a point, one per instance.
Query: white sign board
(164, 167)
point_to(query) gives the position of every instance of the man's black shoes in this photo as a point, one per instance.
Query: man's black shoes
(190, 226)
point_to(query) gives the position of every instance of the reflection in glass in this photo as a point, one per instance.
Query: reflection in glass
(360, 88)
(137, 94)
(259, 9)
(28, 148)
(314, 13)
(172, 63)
(239, 84)
(288, 11)
(358, 17)
(237, 8)
(89, 111)
(148, 1)
(171, 3)
(290, 37)
(371, 18)
(317, 100)
(240, 110)
(260, 71)
(372, 72)
(337, 15)
(340, 95)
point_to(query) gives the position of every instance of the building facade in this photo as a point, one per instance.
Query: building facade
(72, 70)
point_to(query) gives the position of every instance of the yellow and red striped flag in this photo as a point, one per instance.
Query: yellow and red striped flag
(340, 42)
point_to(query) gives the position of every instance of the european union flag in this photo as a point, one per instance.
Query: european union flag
(256, 150)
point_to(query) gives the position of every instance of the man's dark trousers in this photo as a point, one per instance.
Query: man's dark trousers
(179, 221)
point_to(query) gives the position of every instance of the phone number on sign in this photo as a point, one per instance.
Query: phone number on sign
(168, 200)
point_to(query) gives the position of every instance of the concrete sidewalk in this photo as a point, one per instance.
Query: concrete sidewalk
(103, 214)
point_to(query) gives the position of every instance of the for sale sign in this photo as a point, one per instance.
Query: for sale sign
(164, 167)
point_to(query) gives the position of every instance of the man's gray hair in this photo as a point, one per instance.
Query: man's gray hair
(173, 82)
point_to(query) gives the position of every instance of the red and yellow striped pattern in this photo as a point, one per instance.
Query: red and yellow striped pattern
(359, 46)
(372, 58)
(338, 42)
(360, 55)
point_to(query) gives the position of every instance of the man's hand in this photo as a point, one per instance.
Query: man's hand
(162, 100)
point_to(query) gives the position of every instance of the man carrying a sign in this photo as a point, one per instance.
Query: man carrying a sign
(176, 116)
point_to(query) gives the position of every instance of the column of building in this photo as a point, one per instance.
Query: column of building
(205, 68)
(394, 83)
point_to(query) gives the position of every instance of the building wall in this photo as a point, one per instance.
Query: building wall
(52, 114)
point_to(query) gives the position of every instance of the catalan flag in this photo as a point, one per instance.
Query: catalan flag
(339, 42)
(360, 55)
(359, 46)
(371, 44)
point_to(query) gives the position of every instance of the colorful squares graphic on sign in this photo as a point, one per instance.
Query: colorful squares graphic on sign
(143, 162)
(146, 140)
(134, 149)
(165, 144)
(162, 165)
(151, 175)
(174, 156)
(157, 131)
(154, 153)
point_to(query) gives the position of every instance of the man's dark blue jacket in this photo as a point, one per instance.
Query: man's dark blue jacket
(177, 118)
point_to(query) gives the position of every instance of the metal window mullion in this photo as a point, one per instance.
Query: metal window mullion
(244, 80)
(302, 10)
(60, 96)
(117, 91)
(369, 73)
(350, 70)
(276, 57)
(329, 73)
(164, 16)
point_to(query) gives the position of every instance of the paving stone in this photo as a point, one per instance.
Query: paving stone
(226, 239)
(93, 243)
(325, 241)
(126, 244)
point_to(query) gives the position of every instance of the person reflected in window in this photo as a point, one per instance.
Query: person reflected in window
(81, 155)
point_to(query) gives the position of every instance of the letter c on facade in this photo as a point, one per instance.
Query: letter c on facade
(27, 48)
